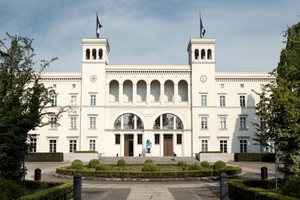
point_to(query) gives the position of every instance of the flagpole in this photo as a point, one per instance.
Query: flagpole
(200, 22)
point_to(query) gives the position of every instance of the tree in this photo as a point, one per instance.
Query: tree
(23, 103)
(279, 106)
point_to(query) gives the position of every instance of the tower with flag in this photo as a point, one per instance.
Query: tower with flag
(98, 26)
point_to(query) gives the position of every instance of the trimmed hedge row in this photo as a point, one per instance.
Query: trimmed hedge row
(255, 157)
(159, 174)
(86, 151)
(44, 157)
(56, 192)
(238, 187)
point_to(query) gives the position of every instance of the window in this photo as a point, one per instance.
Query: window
(262, 123)
(92, 122)
(204, 145)
(73, 85)
(242, 101)
(52, 146)
(92, 145)
(242, 122)
(242, 85)
(32, 145)
(54, 100)
(203, 122)
(140, 139)
(222, 122)
(223, 146)
(222, 100)
(156, 139)
(243, 146)
(53, 122)
(203, 100)
(54, 85)
(73, 100)
(221, 85)
(73, 122)
(117, 138)
(93, 100)
(72, 146)
(179, 138)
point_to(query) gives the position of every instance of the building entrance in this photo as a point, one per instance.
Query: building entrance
(168, 145)
(128, 145)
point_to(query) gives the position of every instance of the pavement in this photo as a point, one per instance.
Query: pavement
(140, 190)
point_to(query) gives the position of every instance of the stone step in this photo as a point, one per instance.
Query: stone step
(141, 160)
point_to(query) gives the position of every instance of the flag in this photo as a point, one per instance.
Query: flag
(202, 29)
(98, 26)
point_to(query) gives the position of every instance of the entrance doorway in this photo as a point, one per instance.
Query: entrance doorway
(168, 145)
(128, 145)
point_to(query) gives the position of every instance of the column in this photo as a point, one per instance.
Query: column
(162, 94)
(121, 145)
(189, 94)
(175, 94)
(107, 94)
(120, 94)
(148, 94)
(134, 94)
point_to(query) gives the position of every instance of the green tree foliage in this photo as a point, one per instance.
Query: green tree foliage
(24, 102)
(279, 106)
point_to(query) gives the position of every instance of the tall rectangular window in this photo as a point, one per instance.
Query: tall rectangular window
(243, 146)
(93, 100)
(73, 122)
(53, 122)
(156, 138)
(92, 145)
(204, 145)
(222, 122)
(32, 145)
(179, 138)
(223, 146)
(117, 139)
(140, 138)
(52, 146)
(203, 100)
(92, 122)
(222, 101)
(203, 122)
(242, 122)
(242, 101)
(73, 100)
(72, 146)
(54, 100)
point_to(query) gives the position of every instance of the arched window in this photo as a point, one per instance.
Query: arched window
(167, 121)
(196, 54)
(94, 54)
(87, 54)
(100, 54)
(209, 56)
(202, 54)
(129, 121)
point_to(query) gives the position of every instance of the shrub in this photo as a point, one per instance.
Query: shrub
(77, 165)
(150, 167)
(195, 167)
(10, 190)
(77, 160)
(102, 167)
(291, 188)
(181, 163)
(219, 165)
(93, 163)
(204, 164)
(148, 161)
(121, 162)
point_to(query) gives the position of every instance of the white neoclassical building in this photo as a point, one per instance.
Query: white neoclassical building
(152, 110)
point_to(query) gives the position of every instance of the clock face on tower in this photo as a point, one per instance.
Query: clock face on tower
(93, 78)
(203, 78)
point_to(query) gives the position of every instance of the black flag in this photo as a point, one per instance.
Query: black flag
(202, 29)
(98, 26)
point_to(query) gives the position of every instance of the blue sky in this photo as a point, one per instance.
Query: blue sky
(249, 34)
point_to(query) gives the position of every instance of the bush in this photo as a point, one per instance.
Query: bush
(150, 167)
(77, 160)
(219, 165)
(11, 190)
(77, 165)
(44, 157)
(93, 163)
(291, 188)
(204, 164)
(181, 163)
(148, 161)
(102, 167)
(195, 167)
(121, 162)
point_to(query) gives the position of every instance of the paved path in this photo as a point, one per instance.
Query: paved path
(179, 190)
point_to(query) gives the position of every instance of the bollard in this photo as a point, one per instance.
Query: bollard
(37, 174)
(224, 195)
(264, 172)
(77, 187)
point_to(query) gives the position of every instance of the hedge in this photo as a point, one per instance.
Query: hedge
(44, 157)
(255, 157)
(86, 151)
